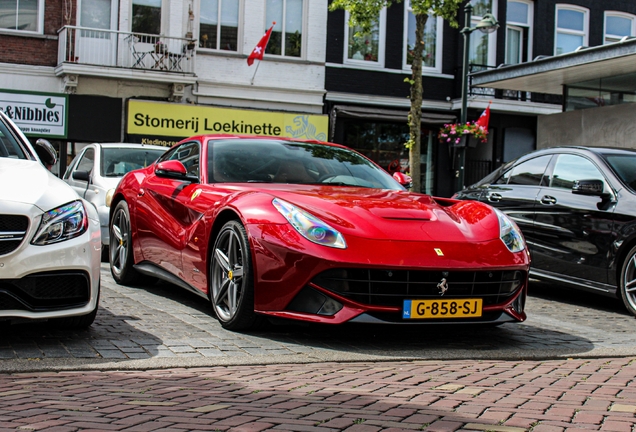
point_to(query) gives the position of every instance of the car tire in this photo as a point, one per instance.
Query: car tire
(120, 250)
(231, 284)
(78, 322)
(627, 282)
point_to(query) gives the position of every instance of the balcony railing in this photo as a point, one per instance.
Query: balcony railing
(111, 48)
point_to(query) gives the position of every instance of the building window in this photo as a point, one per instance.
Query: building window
(618, 25)
(518, 31)
(571, 28)
(432, 54)
(366, 49)
(146, 16)
(483, 46)
(22, 15)
(287, 36)
(218, 24)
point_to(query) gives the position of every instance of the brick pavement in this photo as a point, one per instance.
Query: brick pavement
(437, 396)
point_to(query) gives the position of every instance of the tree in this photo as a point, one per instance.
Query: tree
(364, 13)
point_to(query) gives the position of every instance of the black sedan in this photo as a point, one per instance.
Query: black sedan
(576, 207)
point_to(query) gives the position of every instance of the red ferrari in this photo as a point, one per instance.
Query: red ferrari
(267, 227)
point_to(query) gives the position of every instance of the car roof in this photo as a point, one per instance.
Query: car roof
(593, 149)
(262, 137)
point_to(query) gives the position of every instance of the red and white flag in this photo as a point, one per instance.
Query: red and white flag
(259, 49)
(484, 118)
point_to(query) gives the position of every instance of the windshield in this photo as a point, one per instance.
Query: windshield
(9, 146)
(118, 161)
(624, 165)
(272, 161)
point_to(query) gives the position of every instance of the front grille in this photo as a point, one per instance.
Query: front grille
(45, 291)
(392, 287)
(13, 228)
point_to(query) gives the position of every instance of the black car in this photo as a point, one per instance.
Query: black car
(576, 207)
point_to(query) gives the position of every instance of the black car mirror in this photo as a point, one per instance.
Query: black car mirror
(588, 187)
(82, 175)
(46, 152)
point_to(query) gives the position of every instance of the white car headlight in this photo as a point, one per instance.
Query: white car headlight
(309, 226)
(509, 233)
(62, 223)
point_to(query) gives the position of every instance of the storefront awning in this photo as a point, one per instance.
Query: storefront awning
(350, 111)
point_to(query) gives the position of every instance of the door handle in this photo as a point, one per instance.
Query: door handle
(494, 197)
(547, 199)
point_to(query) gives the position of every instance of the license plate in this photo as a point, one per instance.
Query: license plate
(451, 308)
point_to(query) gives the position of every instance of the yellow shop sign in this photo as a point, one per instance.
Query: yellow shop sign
(182, 121)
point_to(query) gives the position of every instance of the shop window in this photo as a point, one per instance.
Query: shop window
(365, 49)
(482, 49)
(618, 25)
(146, 16)
(287, 36)
(571, 28)
(22, 15)
(219, 24)
(432, 55)
(519, 19)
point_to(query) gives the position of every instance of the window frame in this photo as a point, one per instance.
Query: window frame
(381, 43)
(304, 39)
(439, 42)
(586, 24)
(39, 22)
(239, 36)
(492, 37)
(617, 14)
(161, 19)
(516, 25)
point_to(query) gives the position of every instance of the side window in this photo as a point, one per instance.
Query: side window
(87, 162)
(218, 24)
(570, 168)
(367, 49)
(571, 28)
(530, 172)
(188, 154)
(287, 36)
(23, 16)
(146, 16)
(433, 40)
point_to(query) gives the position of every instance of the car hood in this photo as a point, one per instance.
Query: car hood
(31, 183)
(394, 215)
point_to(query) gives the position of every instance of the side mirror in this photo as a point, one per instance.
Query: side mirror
(45, 152)
(588, 187)
(82, 175)
(175, 170)
(403, 179)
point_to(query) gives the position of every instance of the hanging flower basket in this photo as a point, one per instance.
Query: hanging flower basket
(453, 133)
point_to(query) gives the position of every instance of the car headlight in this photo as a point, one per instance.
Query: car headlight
(509, 233)
(109, 196)
(310, 227)
(62, 223)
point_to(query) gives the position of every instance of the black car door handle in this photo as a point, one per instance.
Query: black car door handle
(547, 199)
(494, 197)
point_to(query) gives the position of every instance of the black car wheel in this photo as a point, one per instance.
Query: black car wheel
(627, 283)
(231, 278)
(120, 248)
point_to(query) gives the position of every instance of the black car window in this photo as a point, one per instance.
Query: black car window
(569, 168)
(529, 172)
(188, 154)
(87, 161)
(624, 165)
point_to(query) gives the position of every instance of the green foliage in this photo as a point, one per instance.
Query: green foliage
(363, 13)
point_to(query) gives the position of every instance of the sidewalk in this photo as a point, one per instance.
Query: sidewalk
(438, 396)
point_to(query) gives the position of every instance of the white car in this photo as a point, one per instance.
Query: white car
(50, 242)
(96, 171)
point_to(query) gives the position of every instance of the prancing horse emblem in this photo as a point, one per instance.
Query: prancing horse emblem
(443, 286)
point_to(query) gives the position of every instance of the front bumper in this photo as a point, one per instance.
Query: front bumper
(52, 281)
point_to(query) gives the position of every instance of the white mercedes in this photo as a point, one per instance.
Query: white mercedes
(50, 241)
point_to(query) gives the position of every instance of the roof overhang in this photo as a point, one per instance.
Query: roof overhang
(550, 74)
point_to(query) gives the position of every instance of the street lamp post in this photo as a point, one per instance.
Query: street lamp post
(488, 24)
